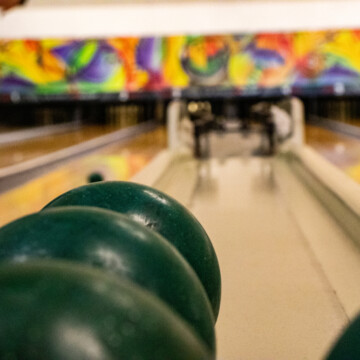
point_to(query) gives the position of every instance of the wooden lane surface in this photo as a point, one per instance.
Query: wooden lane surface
(26, 150)
(115, 162)
(121, 162)
(341, 150)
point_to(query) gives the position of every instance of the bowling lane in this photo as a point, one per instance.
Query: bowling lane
(115, 162)
(341, 150)
(283, 296)
(33, 148)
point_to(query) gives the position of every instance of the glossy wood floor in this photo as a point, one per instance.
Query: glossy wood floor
(26, 150)
(289, 280)
(276, 302)
(121, 162)
(283, 291)
(115, 162)
(341, 150)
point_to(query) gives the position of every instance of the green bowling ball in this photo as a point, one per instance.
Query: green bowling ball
(117, 244)
(64, 311)
(348, 345)
(161, 213)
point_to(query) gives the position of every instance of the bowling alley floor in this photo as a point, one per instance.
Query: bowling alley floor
(341, 150)
(119, 161)
(289, 273)
(28, 149)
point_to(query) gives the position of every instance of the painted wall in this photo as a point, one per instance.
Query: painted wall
(244, 62)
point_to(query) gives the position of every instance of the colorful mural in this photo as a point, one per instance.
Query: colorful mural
(249, 61)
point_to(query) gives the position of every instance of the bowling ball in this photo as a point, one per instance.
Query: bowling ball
(63, 311)
(161, 213)
(95, 177)
(348, 345)
(117, 244)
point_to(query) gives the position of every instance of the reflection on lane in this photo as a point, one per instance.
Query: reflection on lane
(19, 152)
(341, 150)
(115, 162)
